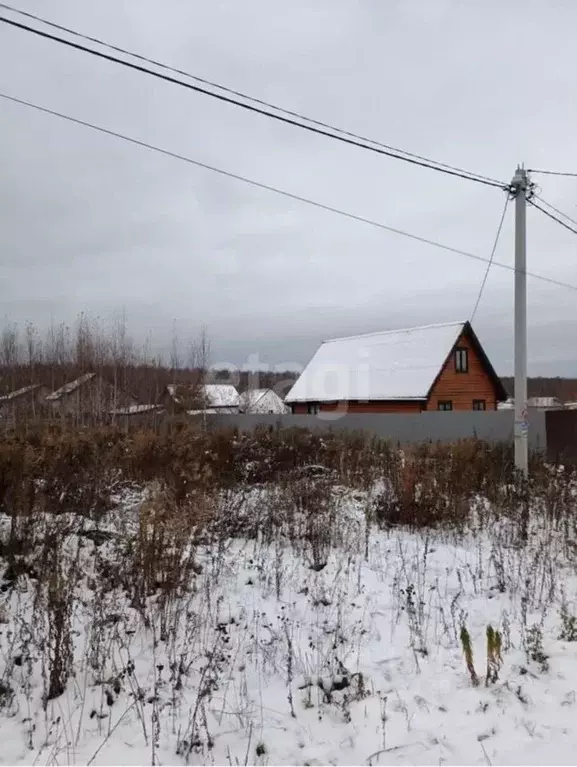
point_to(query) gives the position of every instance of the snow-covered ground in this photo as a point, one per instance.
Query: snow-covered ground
(275, 654)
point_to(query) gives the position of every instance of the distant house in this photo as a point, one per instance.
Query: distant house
(537, 403)
(23, 404)
(436, 367)
(221, 397)
(262, 401)
(89, 397)
(218, 398)
(206, 398)
(137, 410)
(545, 403)
(137, 415)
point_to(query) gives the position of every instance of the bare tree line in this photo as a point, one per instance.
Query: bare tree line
(63, 353)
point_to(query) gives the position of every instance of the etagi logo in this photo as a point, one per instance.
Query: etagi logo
(259, 373)
(331, 385)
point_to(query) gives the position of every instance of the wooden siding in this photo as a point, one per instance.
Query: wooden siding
(376, 406)
(462, 388)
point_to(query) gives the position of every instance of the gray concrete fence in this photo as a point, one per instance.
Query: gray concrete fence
(490, 426)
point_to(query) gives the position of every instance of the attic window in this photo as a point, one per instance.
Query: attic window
(445, 405)
(461, 361)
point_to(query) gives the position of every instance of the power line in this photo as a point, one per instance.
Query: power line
(490, 264)
(430, 164)
(560, 212)
(240, 94)
(553, 173)
(558, 220)
(276, 190)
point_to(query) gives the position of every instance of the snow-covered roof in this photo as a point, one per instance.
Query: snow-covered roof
(214, 395)
(18, 393)
(134, 409)
(70, 387)
(390, 365)
(220, 395)
(250, 397)
(553, 403)
(251, 400)
(544, 402)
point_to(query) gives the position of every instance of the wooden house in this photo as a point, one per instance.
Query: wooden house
(436, 367)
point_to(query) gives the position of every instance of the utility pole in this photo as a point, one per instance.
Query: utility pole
(519, 187)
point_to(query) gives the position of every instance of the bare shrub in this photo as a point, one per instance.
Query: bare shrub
(55, 598)
(435, 485)
(568, 632)
(534, 647)
(79, 471)
(162, 555)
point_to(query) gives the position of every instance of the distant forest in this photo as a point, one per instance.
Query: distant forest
(63, 353)
(563, 388)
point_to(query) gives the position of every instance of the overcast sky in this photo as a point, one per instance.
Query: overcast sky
(90, 223)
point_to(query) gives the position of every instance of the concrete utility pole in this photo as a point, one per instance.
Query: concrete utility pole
(519, 187)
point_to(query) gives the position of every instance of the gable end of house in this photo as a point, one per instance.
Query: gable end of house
(460, 389)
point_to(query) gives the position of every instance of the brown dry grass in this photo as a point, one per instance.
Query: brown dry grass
(281, 488)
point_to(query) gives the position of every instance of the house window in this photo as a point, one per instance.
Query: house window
(313, 408)
(479, 404)
(445, 405)
(461, 360)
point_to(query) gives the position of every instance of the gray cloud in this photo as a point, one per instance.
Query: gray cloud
(90, 223)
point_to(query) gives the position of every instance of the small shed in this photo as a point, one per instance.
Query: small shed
(204, 398)
(262, 401)
(223, 398)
